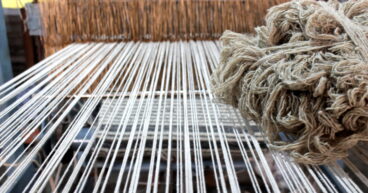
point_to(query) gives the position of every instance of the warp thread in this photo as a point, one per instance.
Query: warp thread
(304, 76)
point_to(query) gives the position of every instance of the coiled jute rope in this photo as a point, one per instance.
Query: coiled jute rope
(304, 75)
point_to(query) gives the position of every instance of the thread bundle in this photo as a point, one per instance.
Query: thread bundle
(304, 75)
(68, 21)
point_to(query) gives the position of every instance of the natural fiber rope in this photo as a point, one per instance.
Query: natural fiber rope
(305, 75)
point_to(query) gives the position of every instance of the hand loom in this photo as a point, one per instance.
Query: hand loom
(123, 103)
